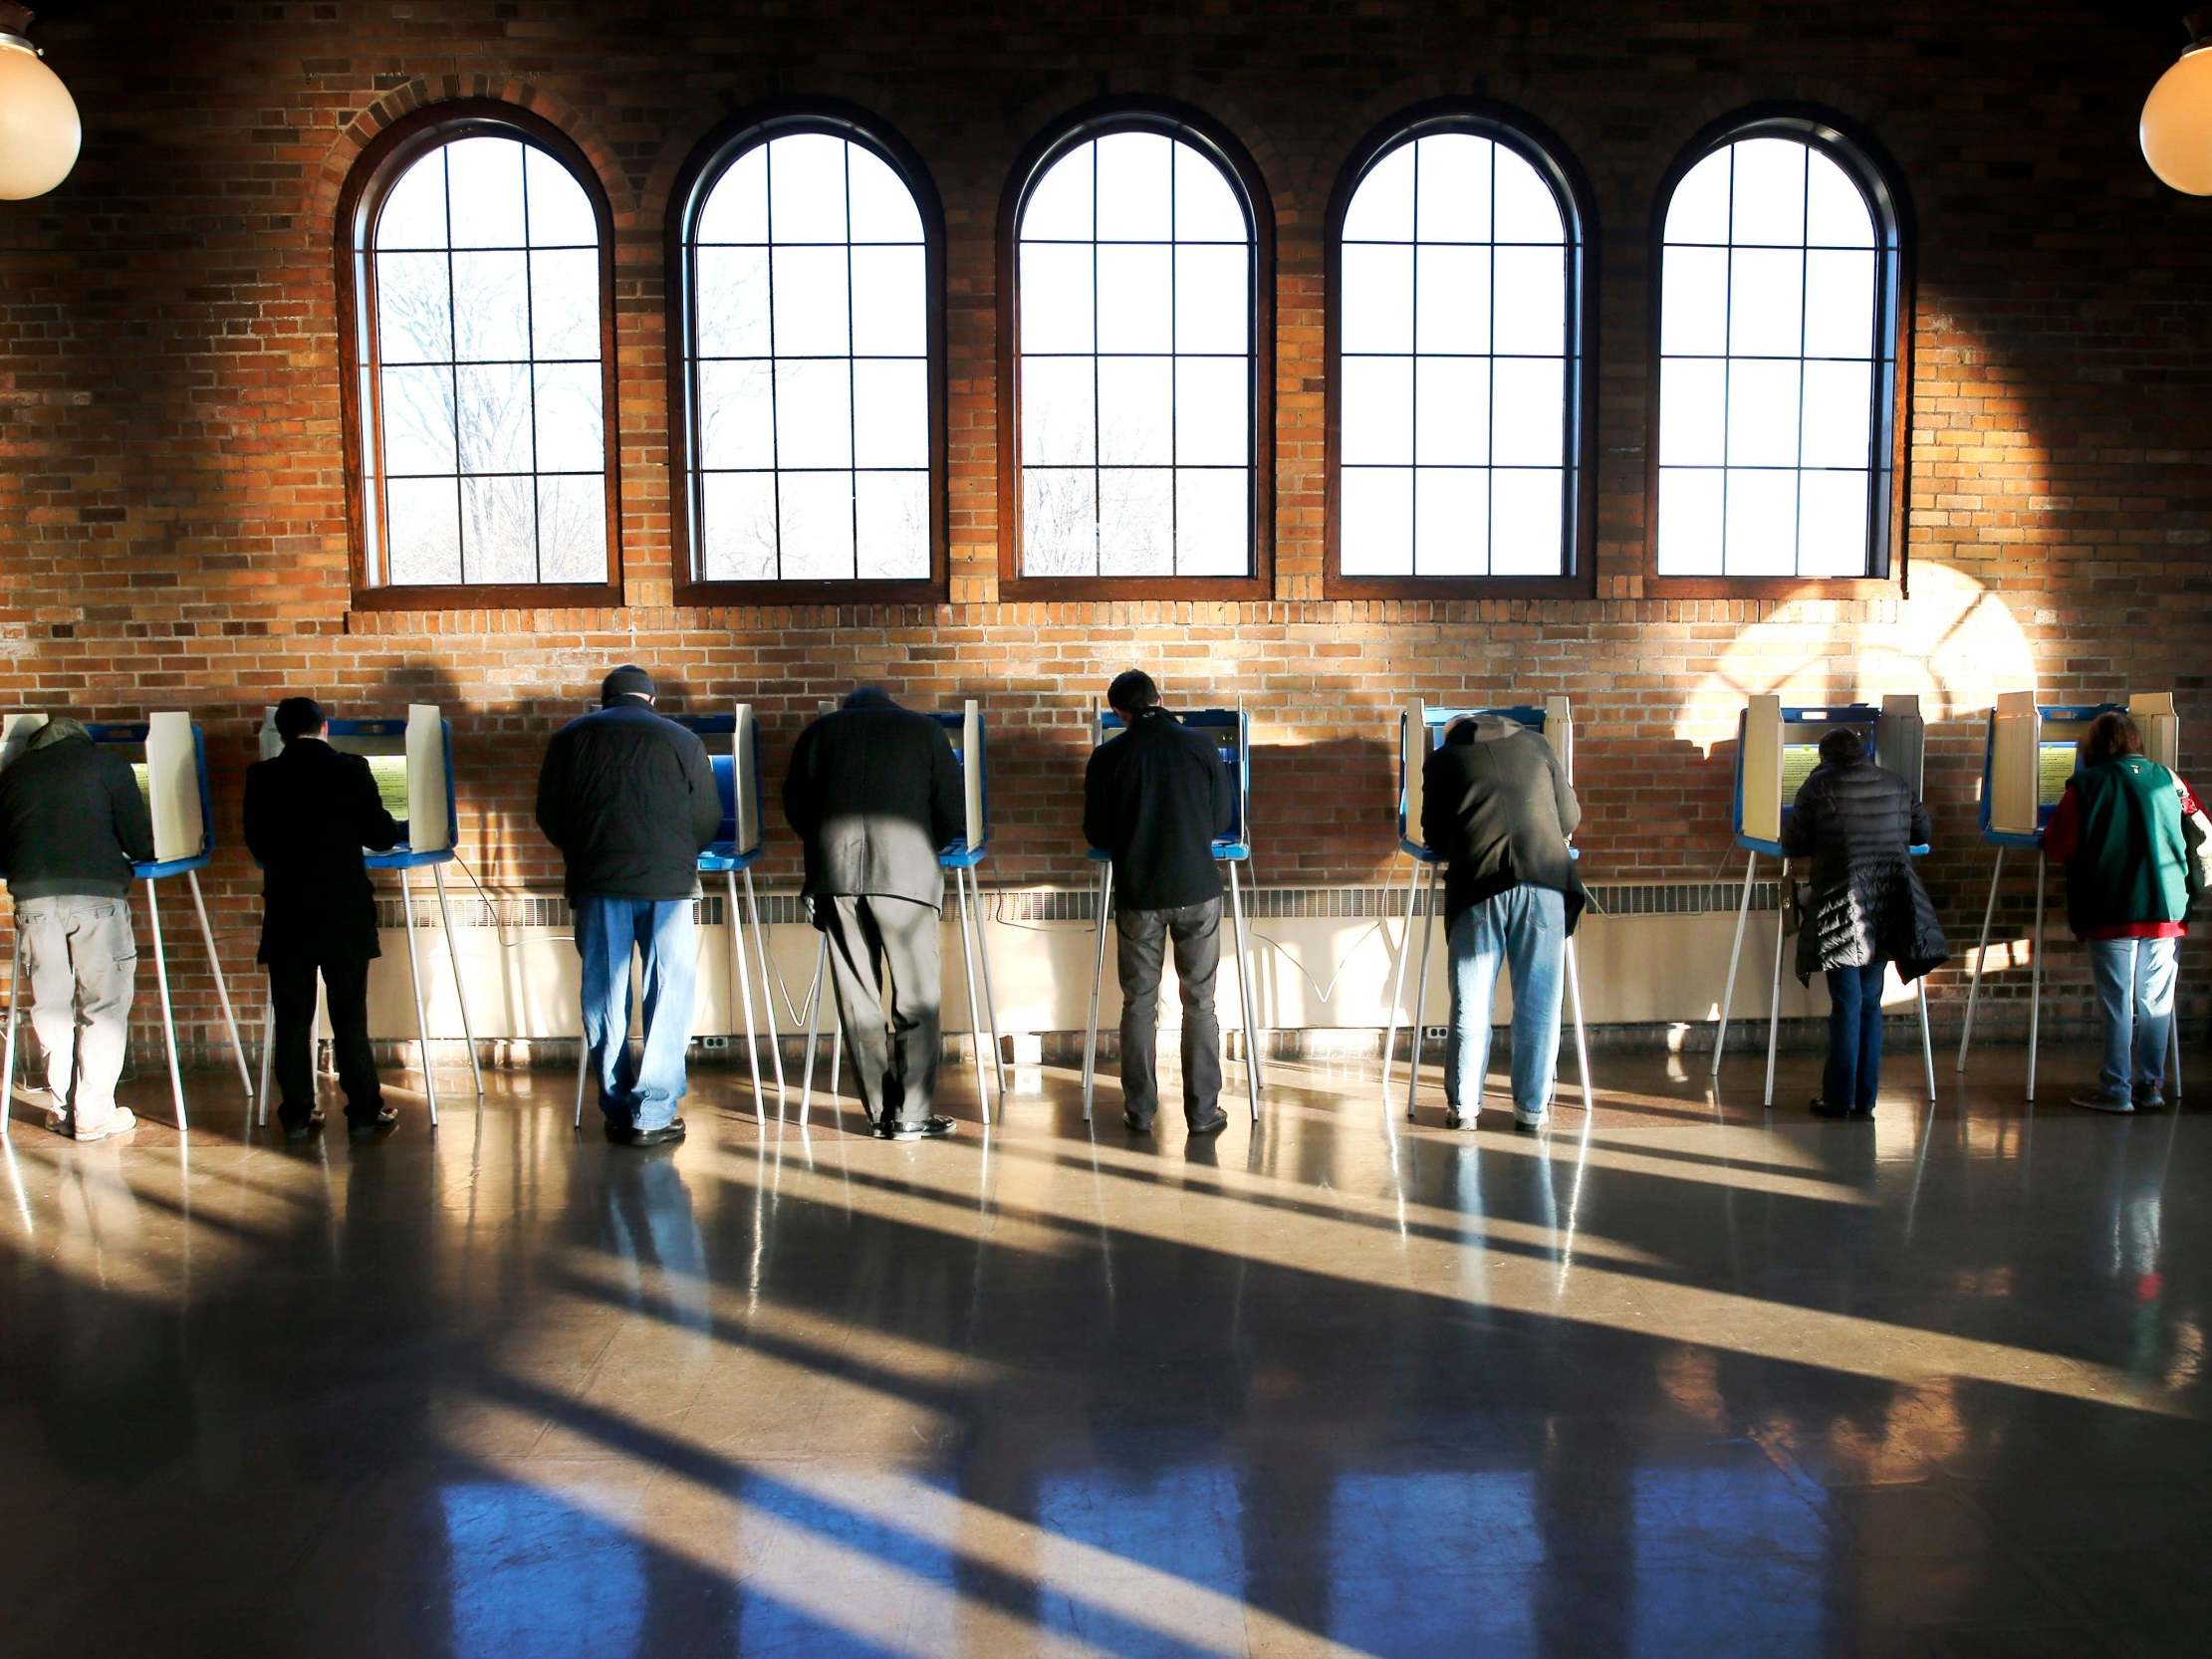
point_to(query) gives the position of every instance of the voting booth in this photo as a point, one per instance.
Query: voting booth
(168, 756)
(1777, 749)
(1230, 731)
(2030, 752)
(1421, 730)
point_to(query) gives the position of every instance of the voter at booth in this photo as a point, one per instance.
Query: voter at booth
(1859, 823)
(1495, 806)
(309, 811)
(72, 823)
(873, 792)
(1155, 798)
(629, 800)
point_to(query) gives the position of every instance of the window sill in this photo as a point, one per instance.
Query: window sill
(1771, 587)
(1458, 588)
(1136, 589)
(550, 595)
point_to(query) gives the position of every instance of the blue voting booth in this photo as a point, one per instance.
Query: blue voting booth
(1231, 733)
(168, 754)
(1421, 728)
(1777, 746)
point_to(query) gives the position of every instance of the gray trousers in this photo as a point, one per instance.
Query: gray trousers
(1139, 950)
(82, 964)
(894, 1055)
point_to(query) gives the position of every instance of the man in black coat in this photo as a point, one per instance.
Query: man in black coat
(629, 800)
(1155, 798)
(1495, 806)
(309, 812)
(873, 792)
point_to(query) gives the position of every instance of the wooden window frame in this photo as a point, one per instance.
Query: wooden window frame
(375, 172)
(1870, 167)
(709, 159)
(1537, 144)
(1097, 119)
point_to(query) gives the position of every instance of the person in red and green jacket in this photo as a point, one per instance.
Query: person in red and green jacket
(2118, 830)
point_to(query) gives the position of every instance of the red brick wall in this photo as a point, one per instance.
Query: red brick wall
(172, 492)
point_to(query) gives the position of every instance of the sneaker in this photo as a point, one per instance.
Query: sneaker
(2093, 1102)
(929, 1128)
(47, 1101)
(2155, 1101)
(1529, 1121)
(121, 1121)
(1454, 1118)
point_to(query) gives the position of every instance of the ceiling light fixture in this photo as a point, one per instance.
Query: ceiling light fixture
(2177, 116)
(39, 130)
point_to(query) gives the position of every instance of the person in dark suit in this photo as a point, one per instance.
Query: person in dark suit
(1155, 798)
(873, 792)
(309, 812)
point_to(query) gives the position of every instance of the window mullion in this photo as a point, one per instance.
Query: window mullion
(775, 441)
(453, 332)
(530, 370)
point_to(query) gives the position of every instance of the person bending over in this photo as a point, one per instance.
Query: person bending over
(629, 800)
(1155, 798)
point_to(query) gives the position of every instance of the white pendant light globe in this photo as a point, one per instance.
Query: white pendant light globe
(2177, 123)
(39, 130)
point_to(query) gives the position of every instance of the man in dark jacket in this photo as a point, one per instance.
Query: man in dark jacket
(1496, 807)
(309, 812)
(1859, 823)
(72, 822)
(873, 792)
(1155, 798)
(629, 800)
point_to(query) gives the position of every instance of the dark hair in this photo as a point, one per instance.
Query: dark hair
(628, 680)
(2111, 735)
(299, 717)
(1132, 692)
(1842, 745)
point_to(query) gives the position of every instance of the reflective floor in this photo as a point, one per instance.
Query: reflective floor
(1669, 1381)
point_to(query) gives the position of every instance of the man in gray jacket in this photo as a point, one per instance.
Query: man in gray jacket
(72, 822)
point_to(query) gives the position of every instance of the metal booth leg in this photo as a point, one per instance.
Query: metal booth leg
(422, 1015)
(1981, 949)
(7, 1068)
(168, 1013)
(583, 1066)
(814, 1024)
(975, 1007)
(2035, 995)
(268, 1061)
(741, 982)
(1774, 1005)
(1420, 1000)
(1397, 976)
(222, 991)
(1582, 1036)
(460, 985)
(1244, 995)
(990, 998)
(1735, 956)
(767, 990)
(1097, 980)
(1927, 1039)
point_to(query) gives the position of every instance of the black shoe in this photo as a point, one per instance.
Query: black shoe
(1134, 1125)
(929, 1128)
(1863, 1114)
(1828, 1108)
(386, 1119)
(1454, 1118)
(627, 1134)
(299, 1128)
(1206, 1127)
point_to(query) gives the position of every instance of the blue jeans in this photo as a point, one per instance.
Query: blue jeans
(637, 1092)
(1526, 927)
(1854, 1074)
(2135, 986)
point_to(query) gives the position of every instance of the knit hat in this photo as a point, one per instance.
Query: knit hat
(628, 680)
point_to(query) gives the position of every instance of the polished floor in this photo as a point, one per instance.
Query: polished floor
(1669, 1381)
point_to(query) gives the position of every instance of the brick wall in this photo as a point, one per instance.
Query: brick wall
(171, 491)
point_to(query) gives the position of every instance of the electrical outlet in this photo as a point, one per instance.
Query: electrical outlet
(714, 1045)
(1435, 1033)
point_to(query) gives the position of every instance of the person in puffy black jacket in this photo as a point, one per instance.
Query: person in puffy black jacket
(1859, 823)
(629, 800)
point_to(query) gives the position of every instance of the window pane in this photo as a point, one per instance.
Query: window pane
(572, 427)
(1832, 524)
(806, 194)
(1699, 210)
(422, 524)
(491, 312)
(737, 527)
(561, 213)
(1382, 207)
(1693, 302)
(811, 315)
(417, 412)
(893, 510)
(890, 302)
(1454, 300)
(813, 418)
(1377, 307)
(891, 413)
(1213, 299)
(413, 214)
(1055, 298)
(1839, 305)
(1058, 411)
(1689, 521)
(1527, 411)
(1454, 188)
(1762, 414)
(1764, 294)
(731, 302)
(1133, 186)
(736, 419)
(1206, 208)
(1058, 206)
(565, 303)
(415, 315)
(1836, 214)
(1762, 523)
(1692, 411)
(1135, 299)
(499, 530)
(1839, 413)
(1213, 411)
(1769, 192)
(736, 207)
(1452, 416)
(1376, 421)
(1524, 535)
(1375, 520)
(814, 513)
(1532, 301)
(1059, 522)
(884, 208)
(572, 528)
(494, 419)
(485, 178)
(1136, 414)
(1451, 513)
(1214, 523)
(1526, 209)
(1136, 522)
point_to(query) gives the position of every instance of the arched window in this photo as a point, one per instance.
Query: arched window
(1458, 397)
(1137, 282)
(1780, 398)
(474, 271)
(805, 386)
